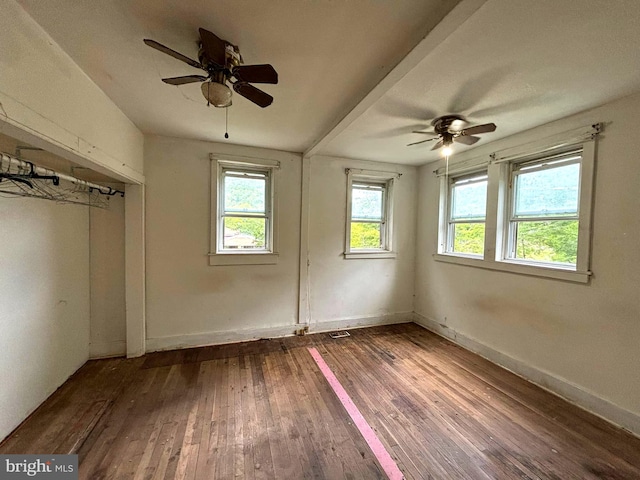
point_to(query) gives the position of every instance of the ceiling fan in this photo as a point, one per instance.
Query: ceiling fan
(448, 129)
(223, 63)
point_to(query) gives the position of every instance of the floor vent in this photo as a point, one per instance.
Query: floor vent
(342, 334)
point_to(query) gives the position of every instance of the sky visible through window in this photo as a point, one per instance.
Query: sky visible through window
(244, 194)
(469, 201)
(366, 203)
(548, 192)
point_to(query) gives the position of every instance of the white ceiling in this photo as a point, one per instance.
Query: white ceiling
(516, 63)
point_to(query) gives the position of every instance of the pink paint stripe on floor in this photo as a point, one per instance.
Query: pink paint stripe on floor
(388, 465)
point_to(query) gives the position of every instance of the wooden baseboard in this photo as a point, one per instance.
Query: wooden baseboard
(556, 385)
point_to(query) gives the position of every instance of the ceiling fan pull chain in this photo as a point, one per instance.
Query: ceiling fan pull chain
(226, 122)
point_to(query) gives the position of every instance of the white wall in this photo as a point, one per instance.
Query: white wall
(45, 96)
(191, 303)
(108, 316)
(580, 340)
(44, 301)
(188, 301)
(358, 291)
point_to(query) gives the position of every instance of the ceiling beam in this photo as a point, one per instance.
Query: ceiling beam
(449, 24)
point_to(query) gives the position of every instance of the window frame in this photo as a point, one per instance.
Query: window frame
(499, 206)
(218, 255)
(512, 221)
(448, 237)
(372, 177)
(266, 215)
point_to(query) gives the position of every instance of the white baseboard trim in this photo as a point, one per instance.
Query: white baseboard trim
(556, 385)
(177, 342)
(360, 322)
(117, 348)
(233, 336)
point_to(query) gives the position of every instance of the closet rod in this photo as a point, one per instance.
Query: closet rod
(29, 166)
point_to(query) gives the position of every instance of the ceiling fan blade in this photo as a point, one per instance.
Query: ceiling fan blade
(434, 134)
(214, 47)
(485, 128)
(467, 139)
(173, 53)
(438, 145)
(184, 80)
(421, 141)
(253, 94)
(256, 73)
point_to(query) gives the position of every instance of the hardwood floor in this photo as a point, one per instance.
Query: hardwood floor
(264, 410)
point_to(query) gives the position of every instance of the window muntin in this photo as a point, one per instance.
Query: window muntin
(467, 214)
(368, 226)
(244, 214)
(545, 211)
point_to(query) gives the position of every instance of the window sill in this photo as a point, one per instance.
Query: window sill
(248, 258)
(516, 267)
(365, 254)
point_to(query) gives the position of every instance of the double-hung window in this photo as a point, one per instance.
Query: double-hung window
(544, 210)
(369, 229)
(243, 213)
(466, 214)
(245, 210)
(368, 216)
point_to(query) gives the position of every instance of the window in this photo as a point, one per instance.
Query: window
(544, 210)
(369, 214)
(524, 210)
(245, 210)
(466, 222)
(243, 213)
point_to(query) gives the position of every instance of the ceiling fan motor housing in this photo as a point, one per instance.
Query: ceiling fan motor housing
(442, 125)
(232, 56)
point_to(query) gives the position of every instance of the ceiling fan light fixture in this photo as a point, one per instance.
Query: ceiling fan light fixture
(217, 94)
(447, 151)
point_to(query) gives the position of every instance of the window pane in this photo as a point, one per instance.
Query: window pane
(468, 238)
(367, 203)
(245, 194)
(552, 241)
(365, 235)
(469, 201)
(548, 192)
(244, 233)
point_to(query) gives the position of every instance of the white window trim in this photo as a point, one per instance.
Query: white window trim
(217, 257)
(371, 176)
(497, 213)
